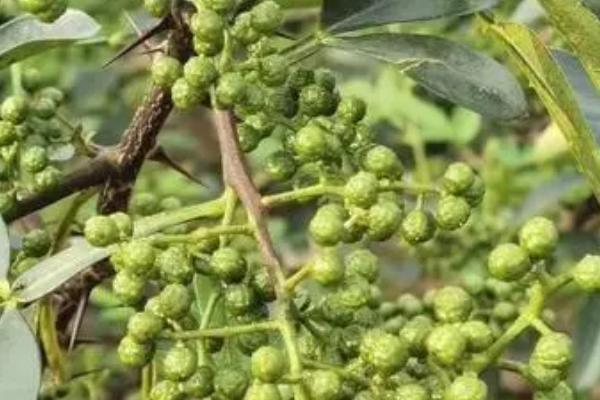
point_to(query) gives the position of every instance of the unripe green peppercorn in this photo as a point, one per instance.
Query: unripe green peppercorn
(35, 6)
(300, 78)
(145, 204)
(230, 383)
(505, 311)
(273, 70)
(508, 262)
(562, 391)
(239, 299)
(165, 71)
(101, 231)
(231, 90)
(412, 391)
(36, 243)
(458, 178)
(124, 224)
(44, 108)
(243, 31)
(207, 48)
(554, 351)
(34, 159)
(166, 390)
(179, 363)
(186, 96)
(410, 305)
(538, 237)
(207, 25)
(263, 391)
(479, 335)
(138, 256)
(324, 385)
(200, 72)
(543, 378)
(46, 179)
(311, 143)
(352, 110)
(228, 264)
(452, 212)
(362, 190)
(327, 226)
(175, 265)
(157, 8)
(362, 263)
(474, 195)
(446, 344)
(385, 218)
(249, 138)
(315, 100)
(174, 301)
(220, 6)
(128, 288)
(133, 353)
(466, 387)
(144, 326)
(452, 304)
(266, 16)
(383, 162)
(325, 78)
(55, 94)
(281, 165)
(418, 227)
(386, 353)
(55, 11)
(8, 133)
(586, 274)
(14, 109)
(200, 385)
(327, 268)
(268, 364)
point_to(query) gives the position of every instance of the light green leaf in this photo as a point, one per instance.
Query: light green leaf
(545, 76)
(4, 250)
(587, 345)
(348, 15)
(466, 125)
(446, 68)
(581, 28)
(21, 366)
(54, 271)
(25, 36)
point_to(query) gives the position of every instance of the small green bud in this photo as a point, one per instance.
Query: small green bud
(220, 6)
(452, 212)
(174, 301)
(200, 385)
(263, 391)
(452, 304)
(446, 344)
(586, 274)
(458, 178)
(273, 70)
(266, 16)
(231, 90)
(362, 190)
(315, 101)
(36, 243)
(8, 133)
(138, 255)
(186, 96)
(134, 354)
(415, 333)
(165, 71)
(538, 237)
(243, 31)
(505, 311)
(543, 378)
(327, 268)
(230, 383)
(383, 162)
(385, 218)
(466, 387)
(175, 265)
(508, 262)
(128, 288)
(324, 385)
(362, 263)
(553, 351)
(299, 78)
(385, 352)
(228, 264)
(101, 231)
(144, 326)
(207, 25)
(239, 299)
(34, 159)
(145, 204)
(418, 227)
(166, 390)
(562, 391)
(311, 143)
(179, 363)
(14, 109)
(268, 364)
(479, 335)
(281, 165)
(410, 305)
(44, 108)
(124, 224)
(412, 391)
(200, 72)
(352, 110)
(46, 179)
(474, 195)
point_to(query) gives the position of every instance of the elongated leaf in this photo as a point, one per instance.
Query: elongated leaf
(446, 68)
(20, 369)
(4, 250)
(53, 272)
(587, 95)
(581, 28)
(25, 36)
(345, 15)
(587, 345)
(545, 76)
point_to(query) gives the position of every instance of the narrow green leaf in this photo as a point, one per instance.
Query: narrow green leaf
(25, 36)
(546, 77)
(21, 366)
(587, 345)
(53, 272)
(344, 15)
(448, 69)
(4, 250)
(581, 28)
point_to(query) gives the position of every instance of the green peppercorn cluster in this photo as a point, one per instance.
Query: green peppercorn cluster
(45, 10)
(29, 130)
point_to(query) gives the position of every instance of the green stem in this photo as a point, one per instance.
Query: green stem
(200, 234)
(66, 221)
(293, 281)
(339, 370)
(207, 313)
(16, 75)
(230, 205)
(147, 381)
(223, 332)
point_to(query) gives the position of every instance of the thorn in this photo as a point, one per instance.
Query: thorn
(77, 321)
(160, 155)
(136, 28)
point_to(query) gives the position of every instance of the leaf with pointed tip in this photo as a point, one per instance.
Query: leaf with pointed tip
(25, 36)
(344, 15)
(54, 271)
(448, 69)
(4, 250)
(587, 345)
(21, 366)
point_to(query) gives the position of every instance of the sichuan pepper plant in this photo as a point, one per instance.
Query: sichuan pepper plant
(216, 312)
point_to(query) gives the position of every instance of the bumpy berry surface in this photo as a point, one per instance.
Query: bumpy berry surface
(508, 262)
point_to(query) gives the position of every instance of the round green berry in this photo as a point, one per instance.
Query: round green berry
(36, 243)
(362, 190)
(145, 204)
(446, 344)
(124, 224)
(385, 218)
(55, 11)
(385, 352)
(352, 110)
(538, 237)
(281, 165)
(315, 100)
(45, 108)
(554, 350)
(231, 90)
(362, 263)
(207, 25)
(586, 274)
(228, 264)
(138, 255)
(200, 385)
(466, 387)
(479, 335)
(383, 162)
(452, 212)
(174, 301)
(311, 143)
(175, 265)
(410, 305)
(263, 391)
(128, 288)
(249, 138)
(508, 262)
(239, 299)
(327, 226)
(144, 326)
(179, 362)
(184, 95)
(34, 159)
(47, 179)
(35, 6)
(562, 391)
(157, 8)
(230, 383)
(243, 31)
(273, 70)
(8, 133)
(166, 390)
(452, 304)
(220, 6)
(418, 227)
(165, 71)
(324, 385)
(474, 195)
(134, 354)
(280, 100)
(263, 285)
(266, 16)
(415, 333)
(101, 231)
(200, 72)
(207, 48)
(14, 109)
(458, 178)
(299, 78)
(268, 364)
(412, 391)
(543, 378)
(54, 94)
(327, 268)
(505, 311)
(261, 123)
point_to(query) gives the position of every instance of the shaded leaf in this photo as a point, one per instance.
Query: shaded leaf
(587, 345)
(344, 15)
(446, 68)
(20, 369)
(466, 125)
(26, 36)
(587, 95)
(61, 152)
(581, 28)
(4, 250)
(546, 77)
(54, 271)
